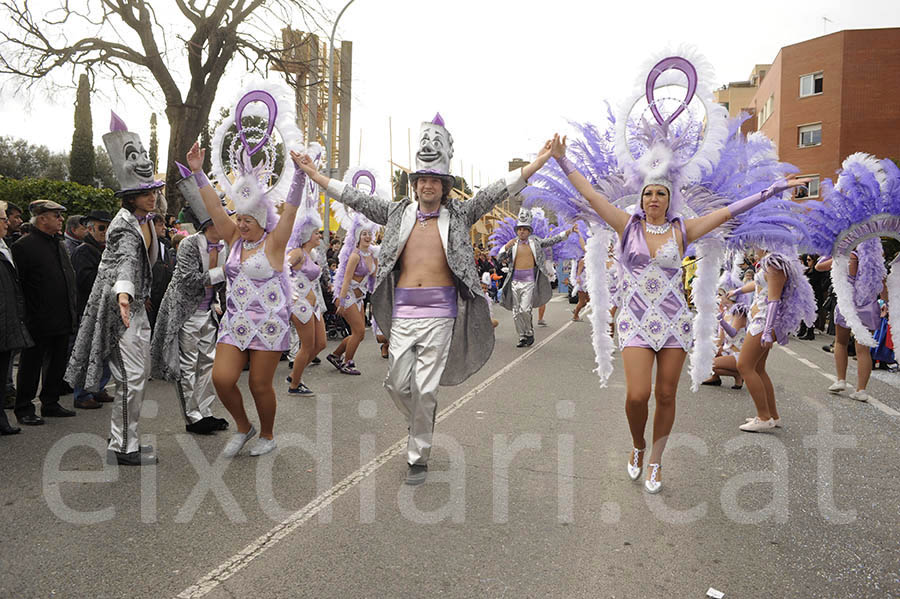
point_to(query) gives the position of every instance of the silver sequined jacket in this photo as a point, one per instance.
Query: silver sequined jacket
(125, 267)
(184, 295)
(473, 335)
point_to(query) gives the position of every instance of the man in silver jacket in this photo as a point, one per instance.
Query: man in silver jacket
(428, 299)
(527, 286)
(184, 339)
(114, 328)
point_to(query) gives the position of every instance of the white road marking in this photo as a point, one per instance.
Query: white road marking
(872, 401)
(243, 558)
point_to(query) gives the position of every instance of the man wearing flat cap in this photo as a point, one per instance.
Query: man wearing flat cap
(48, 286)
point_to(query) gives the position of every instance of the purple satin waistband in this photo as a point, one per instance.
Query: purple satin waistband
(425, 302)
(523, 274)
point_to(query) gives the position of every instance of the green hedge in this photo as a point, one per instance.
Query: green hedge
(78, 199)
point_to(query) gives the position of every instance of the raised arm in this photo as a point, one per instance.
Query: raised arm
(614, 217)
(226, 227)
(373, 207)
(823, 265)
(550, 241)
(698, 227)
(282, 232)
(513, 183)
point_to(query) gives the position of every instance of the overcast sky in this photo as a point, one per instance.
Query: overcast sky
(504, 74)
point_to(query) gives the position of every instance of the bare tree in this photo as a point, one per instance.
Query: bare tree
(123, 41)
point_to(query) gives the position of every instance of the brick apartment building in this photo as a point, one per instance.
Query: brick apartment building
(826, 98)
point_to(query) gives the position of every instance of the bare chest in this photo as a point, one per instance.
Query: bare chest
(424, 253)
(524, 257)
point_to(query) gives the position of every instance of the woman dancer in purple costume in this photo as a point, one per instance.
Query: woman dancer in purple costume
(783, 298)
(358, 279)
(867, 273)
(732, 332)
(651, 251)
(308, 305)
(256, 325)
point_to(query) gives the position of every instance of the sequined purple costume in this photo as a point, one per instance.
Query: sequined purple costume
(653, 312)
(257, 312)
(305, 280)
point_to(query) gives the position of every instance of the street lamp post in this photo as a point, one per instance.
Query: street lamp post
(328, 142)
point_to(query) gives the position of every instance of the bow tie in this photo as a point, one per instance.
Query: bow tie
(142, 220)
(424, 216)
(214, 246)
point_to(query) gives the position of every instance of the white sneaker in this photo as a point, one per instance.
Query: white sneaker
(838, 387)
(262, 447)
(777, 422)
(237, 442)
(756, 425)
(860, 396)
(541, 323)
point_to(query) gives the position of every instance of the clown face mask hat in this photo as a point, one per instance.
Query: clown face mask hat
(435, 152)
(130, 161)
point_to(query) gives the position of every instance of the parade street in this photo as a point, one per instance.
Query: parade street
(527, 493)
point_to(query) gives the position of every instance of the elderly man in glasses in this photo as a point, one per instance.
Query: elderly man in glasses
(48, 285)
(86, 261)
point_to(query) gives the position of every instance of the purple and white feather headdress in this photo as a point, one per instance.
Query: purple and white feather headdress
(248, 146)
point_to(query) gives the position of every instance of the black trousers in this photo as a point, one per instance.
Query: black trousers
(45, 363)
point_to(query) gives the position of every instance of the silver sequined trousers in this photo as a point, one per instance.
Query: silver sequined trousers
(522, 292)
(130, 367)
(197, 347)
(418, 354)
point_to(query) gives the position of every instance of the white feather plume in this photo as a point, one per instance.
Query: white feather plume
(596, 280)
(840, 273)
(703, 292)
(868, 162)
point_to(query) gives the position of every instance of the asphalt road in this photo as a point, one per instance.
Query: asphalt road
(527, 493)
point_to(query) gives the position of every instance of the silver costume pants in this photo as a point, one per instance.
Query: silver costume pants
(522, 292)
(418, 354)
(130, 367)
(295, 343)
(197, 349)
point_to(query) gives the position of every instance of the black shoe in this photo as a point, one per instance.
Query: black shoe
(416, 474)
(103, 397)
(316, 360)
(523, 342)
(30, 420)
(529, 340)
(135, 458)
(221, 423)
(713, 382)
(56, 411)
(87, 404)
(204, 426)
(828, 348)
(6, 428)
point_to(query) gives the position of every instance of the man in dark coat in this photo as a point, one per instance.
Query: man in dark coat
(48, 285)
(13, 334)
(162, 270)
(13, 232)
(85, 261)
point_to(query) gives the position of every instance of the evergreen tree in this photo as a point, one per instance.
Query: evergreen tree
(154, 144)
(82, 163)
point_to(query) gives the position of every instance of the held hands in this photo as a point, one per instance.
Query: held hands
(558, 146)
(304, 162)
(195, 157)
(124, 309)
